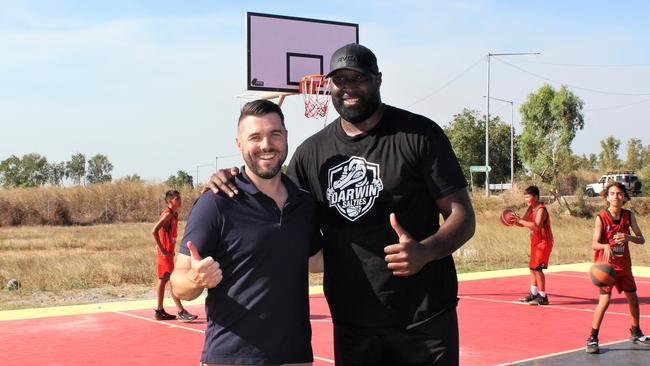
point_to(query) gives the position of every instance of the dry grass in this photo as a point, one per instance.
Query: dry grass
(63, 260)
(60, 265)
(99, 203)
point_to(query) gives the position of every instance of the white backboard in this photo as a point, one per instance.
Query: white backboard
(283, 49)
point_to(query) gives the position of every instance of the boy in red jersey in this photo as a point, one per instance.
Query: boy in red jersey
(165, 232)
(610, 245)
(537, 220)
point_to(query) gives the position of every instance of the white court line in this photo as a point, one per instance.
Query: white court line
(323, 359)
(558, 353)
(159, 322)
(543, 306)
(196, 330)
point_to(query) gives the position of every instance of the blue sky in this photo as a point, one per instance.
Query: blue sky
(152, 84)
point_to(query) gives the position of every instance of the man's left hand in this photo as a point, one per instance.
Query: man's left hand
(407, 257)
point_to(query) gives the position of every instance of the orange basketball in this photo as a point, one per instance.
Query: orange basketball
(602, 274)
(508, 217)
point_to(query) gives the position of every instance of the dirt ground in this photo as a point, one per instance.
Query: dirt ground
(22, 299)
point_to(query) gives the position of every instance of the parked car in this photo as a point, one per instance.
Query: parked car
(628, 178)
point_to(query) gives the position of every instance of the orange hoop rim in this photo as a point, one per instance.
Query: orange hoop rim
(316, 80)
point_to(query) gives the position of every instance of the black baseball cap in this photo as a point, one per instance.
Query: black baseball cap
(354, 57)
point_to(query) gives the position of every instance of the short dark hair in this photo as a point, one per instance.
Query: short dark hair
(532, 190)
(259, 108)
(619, 185)
(171, 194)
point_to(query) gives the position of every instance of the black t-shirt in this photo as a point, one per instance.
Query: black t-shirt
(402, 165)
(259, 313)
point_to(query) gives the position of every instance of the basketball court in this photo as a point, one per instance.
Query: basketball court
(495, 329)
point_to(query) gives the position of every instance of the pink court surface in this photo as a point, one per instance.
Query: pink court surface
(494, 328)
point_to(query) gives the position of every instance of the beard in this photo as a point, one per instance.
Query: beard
(368, 104)
(265, 172)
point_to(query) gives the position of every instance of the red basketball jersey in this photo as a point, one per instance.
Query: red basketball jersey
(621, 260)
(544, 233)
(169, 231)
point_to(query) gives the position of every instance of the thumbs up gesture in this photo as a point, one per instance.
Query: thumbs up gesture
(407, 257)
(203, 271)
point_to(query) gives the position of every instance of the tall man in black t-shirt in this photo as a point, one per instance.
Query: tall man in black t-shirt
(251, 253)
(382, 177)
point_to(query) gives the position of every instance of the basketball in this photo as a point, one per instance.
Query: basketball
(508, 217)
(602, 274)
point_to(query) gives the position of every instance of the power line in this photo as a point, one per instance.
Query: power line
(571, 85)
(618, 106)
(447, 84)
(586, 65)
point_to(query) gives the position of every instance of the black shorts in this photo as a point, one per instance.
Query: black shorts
(433, 342)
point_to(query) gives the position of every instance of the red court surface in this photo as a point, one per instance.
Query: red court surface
(494, 329)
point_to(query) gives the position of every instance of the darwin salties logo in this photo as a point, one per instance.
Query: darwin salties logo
(353, 186)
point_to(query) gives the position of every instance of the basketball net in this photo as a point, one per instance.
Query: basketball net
(315, 90)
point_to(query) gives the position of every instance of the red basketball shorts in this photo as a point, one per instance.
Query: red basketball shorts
(165, 266)
(539, 255)
(624, 281)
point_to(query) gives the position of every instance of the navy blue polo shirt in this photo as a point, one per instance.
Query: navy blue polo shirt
(259, 313)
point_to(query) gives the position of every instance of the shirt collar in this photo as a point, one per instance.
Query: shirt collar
(244, 183)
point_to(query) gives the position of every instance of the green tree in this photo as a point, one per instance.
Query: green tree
(11, 172)
(99, 169)
(35, 170)
(645, 156)
(587, 162)
(75, 169)
(634, 154)
(134, 178)
(56, 173)
(608, 157)
(593, 161)
(466, 133)
(29, 171)
(550, 120)
(179, 180)
(582, 162)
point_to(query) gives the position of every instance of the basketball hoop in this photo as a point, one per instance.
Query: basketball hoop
(315, 90)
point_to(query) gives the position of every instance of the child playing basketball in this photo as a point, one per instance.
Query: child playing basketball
(165, 232)
(537, 220)
(610, 245)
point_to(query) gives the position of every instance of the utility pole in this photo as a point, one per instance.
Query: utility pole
(487, 114)
(197, 173)
(512, 134)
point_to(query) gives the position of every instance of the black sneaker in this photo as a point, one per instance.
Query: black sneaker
(592, 345)
(528, 298)
(186, 317)
(161, 314)
(639, 338)
(539, 300)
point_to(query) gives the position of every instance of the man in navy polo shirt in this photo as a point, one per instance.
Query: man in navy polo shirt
(252, 254)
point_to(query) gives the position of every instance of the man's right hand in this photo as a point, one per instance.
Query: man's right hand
(222, 181)
(204, 272)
